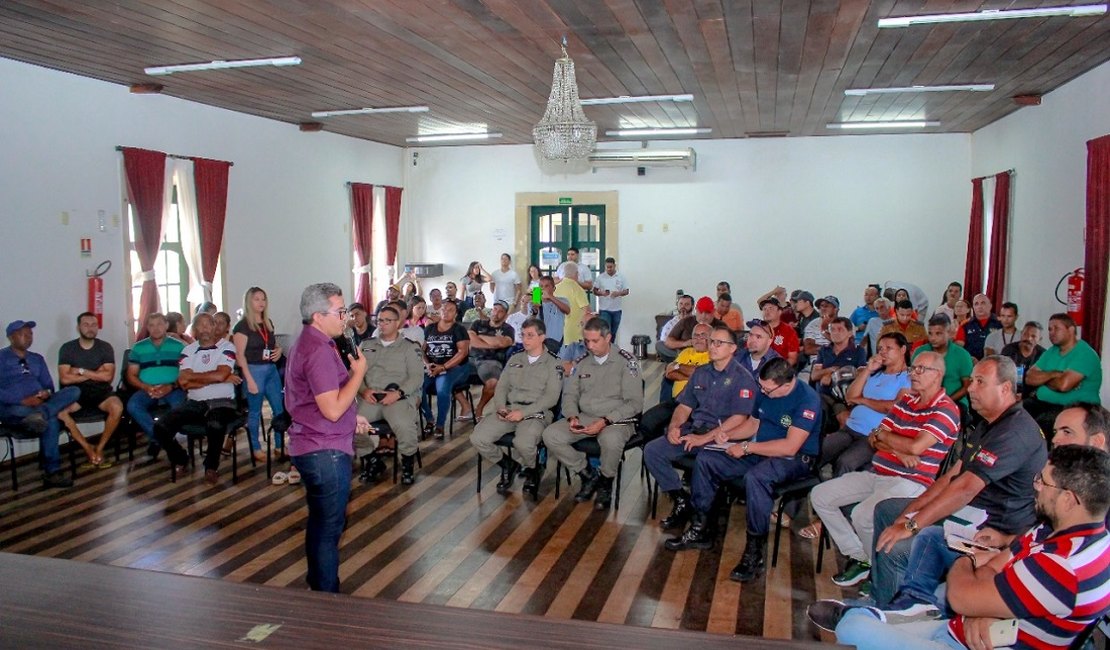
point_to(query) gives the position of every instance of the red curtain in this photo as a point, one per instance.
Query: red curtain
(211, 183)
(392, 222)
(362, 216)
(1000, 238)
(1097, 246)
(973, 266)
(146, 185)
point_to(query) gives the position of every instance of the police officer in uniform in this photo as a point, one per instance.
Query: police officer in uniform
(391, 388)
(716, 401)
(523, 400)
(603, 396)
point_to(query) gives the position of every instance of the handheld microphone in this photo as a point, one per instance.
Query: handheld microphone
(349, 333)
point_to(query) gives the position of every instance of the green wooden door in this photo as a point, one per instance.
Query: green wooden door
(555, 228)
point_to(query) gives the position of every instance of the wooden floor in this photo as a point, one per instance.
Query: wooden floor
(433, 542)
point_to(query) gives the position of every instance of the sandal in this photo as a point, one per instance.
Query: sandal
(104, 464)
(812, 531)
(294, 476)
(280, 478)
(785, 519)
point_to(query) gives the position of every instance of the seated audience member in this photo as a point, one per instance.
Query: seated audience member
(223, 326)
(478, 311)
(963, 315)
(918, 300)
(973, 334)
(1007, 334)
(865, 312)
(451, 291)
(994, 462)
(778, 446)
(446, 353)
(905, 325)
(1051, 582)
(207, 375)
(871, 395)
(602, 397)
(840, 355)
(804, 310)
(684, 306)
(360, 320)
(1069, 371)
(257, 352)
(816, 334)
(728, 314)
(523, 404)
(515, 320)
(490, 340)
(90, 364)
(785, 340)
(553, 312)
(875, 326)
(392, 294)
(757, 348)
(417, 321)
(581, 273)
(952, 294)
(779, 293)
(176, 327)
(910, 444)
(682, 336)
(504, 282)
(1025, 351)
(28, 400)
(719, 399)
(957, 360)
(152, 370)
(575, 296)
(610, 288)
(654, 422)
(723, 288)
(435, 303)
(390, 389)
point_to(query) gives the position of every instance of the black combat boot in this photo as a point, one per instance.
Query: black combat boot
(532, 478)
(589, 478)
(508, 473)
(604, 493)
(408, 469)
(751, 563)
(680, 513)
(697, 536)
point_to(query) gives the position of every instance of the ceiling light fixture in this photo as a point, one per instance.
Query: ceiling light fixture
(625, 99)
(451, 137)
(860, 92)
(223, 65)
(564, 133)
(994, 14)
(370, 111)
(650, 132)
(900, 124)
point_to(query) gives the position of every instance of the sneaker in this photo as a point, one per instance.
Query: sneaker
(909, 611)
(56, 480)
(826, 614)
(865, 589)
(855, 572)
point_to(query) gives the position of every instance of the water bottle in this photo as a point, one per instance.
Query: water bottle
(1020, 379)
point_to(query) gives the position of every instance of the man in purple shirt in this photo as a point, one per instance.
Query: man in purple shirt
(320, 397)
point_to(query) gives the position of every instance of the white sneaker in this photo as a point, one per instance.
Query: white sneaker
(914, 613)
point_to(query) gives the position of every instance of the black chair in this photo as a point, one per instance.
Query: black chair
(462, 388)
(12, 433)
(279, 424)
(1085, 638)
(384, 431)
(592, 449)
(506, 443)
(199, 432)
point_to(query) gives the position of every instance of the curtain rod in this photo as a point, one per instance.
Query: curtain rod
(350, 183)
(1010, 171)
(179, 157)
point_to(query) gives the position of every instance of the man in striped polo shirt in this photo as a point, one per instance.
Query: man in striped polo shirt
(1046, 588)
(152, 369)
(910, 445)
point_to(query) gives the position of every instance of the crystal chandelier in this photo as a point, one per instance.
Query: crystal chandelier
(564, 133)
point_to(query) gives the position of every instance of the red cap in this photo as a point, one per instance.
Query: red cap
(706, 305)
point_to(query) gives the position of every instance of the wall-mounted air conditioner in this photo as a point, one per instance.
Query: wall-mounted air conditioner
(644, 158)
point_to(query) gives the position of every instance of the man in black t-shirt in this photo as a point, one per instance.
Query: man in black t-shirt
(90, 364)
(489, 341)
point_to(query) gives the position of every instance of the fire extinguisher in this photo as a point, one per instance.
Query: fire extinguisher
(96, 290)
(1074, 300)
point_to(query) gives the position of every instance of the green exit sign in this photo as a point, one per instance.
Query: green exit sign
(566, 200)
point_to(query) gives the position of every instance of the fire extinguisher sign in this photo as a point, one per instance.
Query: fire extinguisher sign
(86, 247)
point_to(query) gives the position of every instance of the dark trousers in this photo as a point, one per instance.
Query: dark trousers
(760, 475)
(847, 451)
(216, 415)
(327, 479)
(654, 422)
(1044, 413)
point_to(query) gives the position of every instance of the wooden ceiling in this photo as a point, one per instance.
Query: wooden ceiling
(755, 67)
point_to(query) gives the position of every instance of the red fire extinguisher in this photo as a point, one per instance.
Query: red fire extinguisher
(96, 290)
(1074, 301)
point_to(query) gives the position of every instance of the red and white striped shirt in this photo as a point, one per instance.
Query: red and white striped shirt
(909, 417)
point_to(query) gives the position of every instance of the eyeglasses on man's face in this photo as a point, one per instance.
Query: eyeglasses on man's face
(719, 342)
(920, 370)
(769, 391)
(341, 312)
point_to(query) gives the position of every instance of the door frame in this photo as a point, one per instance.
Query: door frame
(525, 201)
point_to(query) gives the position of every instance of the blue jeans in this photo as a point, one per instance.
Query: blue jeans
(760, 475)
(861, 629)
(614, 320)
(658, 455)
(12, 414)
(444, 384)
(269, 386)
(140, 404)
(327, 479)
(887, 569)
(929, 562)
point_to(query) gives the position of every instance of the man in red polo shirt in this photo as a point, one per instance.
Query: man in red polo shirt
(785, 340)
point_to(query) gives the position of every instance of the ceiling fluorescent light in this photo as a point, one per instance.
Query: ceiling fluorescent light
(451, 137)
(625, 99)
(994, 14)
(223, 65)
(860, 92)
(649, 132)
(370, 111)
(901, 124)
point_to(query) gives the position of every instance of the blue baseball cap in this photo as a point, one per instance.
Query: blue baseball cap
(17, 325)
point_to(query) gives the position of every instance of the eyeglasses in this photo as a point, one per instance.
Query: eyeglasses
(719, 342)
(920, 370)
(701, 336)
(763, 389)
(387, 320)
(341, 312)
(1039, 480)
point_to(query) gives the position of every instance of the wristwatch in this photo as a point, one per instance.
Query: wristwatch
(911, 525)
(744, 446)
(81, 372)
(607, 421)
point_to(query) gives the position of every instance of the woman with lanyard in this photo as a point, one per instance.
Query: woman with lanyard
(257, 352)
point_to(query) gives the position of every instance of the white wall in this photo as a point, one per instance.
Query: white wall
(1046, 146)
(825, 214)
(288, 210)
